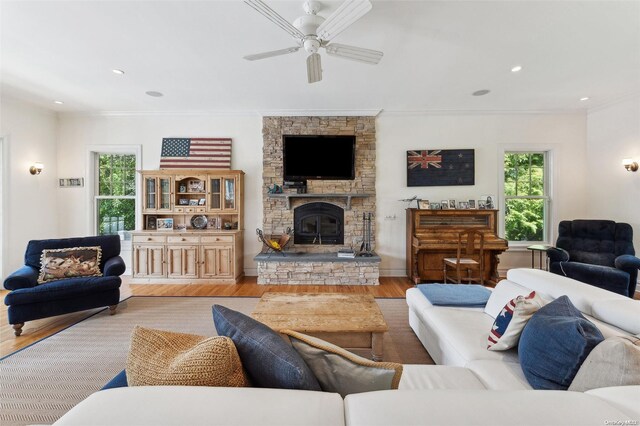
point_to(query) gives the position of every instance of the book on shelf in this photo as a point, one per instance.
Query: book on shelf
(346, 253)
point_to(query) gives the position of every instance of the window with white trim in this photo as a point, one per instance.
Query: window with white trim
(527, 200)
(115, 199)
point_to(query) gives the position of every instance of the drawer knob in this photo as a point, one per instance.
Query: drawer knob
(149, 239)
(217, 239)
(184, 239)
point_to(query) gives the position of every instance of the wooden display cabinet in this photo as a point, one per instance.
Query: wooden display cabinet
(189, 253)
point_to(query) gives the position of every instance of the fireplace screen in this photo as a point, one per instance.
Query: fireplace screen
(318, 223)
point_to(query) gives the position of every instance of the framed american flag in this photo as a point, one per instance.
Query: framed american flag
(441, 167)
(195, 153)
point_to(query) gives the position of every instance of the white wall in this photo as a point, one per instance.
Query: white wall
(77, 132)
(31, 202)
(485, 133)
(395, 135)
(613, 133)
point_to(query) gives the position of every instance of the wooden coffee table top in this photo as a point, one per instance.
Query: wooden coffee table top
(323, 312)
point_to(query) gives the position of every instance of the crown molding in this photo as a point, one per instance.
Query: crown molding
(615, 101)
(249, 113)
(410, 113)
(321, 113)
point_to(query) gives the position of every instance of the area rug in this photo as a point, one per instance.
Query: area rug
(40, 383)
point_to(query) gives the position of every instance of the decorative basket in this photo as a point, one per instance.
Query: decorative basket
(278, 245)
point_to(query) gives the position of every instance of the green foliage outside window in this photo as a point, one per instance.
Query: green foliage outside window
(116, 178)
(523, 181)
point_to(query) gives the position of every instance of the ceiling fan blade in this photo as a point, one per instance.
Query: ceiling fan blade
(359, 54)
(314, 68)
(348, 13)
(264, 55)
(271, 15)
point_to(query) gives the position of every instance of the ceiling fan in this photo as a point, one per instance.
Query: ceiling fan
(313, 32)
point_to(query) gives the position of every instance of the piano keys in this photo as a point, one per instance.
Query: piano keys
(432, 235)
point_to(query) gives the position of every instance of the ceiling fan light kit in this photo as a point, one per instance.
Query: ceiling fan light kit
(313, 32)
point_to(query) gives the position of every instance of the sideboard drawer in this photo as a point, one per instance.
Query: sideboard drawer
(183, 239)
(149, 238)
(218, 239)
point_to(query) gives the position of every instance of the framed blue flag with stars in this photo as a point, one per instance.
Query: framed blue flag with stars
(440, 167)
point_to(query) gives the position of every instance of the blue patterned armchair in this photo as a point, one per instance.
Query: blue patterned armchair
(28, 300)
(596, 252)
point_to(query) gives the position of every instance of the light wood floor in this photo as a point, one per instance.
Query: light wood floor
(39, 329)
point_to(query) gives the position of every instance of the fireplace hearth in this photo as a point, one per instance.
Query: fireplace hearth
(318, 223)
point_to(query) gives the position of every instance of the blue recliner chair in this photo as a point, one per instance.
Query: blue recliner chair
(596, 252)
(29, 300)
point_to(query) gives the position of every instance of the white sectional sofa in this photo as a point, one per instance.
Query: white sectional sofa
(469, 386)
(458, 336)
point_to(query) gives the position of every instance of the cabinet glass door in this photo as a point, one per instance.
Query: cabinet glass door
(216, 194)
(150, 193)
(229, 193)
(165, 193)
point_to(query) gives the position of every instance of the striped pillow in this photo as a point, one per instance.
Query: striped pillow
(506, 329)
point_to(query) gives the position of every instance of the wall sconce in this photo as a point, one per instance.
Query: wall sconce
(36, 169)
(630, 165)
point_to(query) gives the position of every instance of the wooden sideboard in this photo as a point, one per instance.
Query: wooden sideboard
(432, 235)
(205, 242)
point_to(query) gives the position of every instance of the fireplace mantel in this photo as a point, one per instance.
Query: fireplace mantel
(347, 197)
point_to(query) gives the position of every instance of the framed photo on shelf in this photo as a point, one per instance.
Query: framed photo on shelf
(164, 224)
(452, 204)
(481, 205)
(489, 201)
(472, 204)
(202, 201)
(193, 202)
(463, 205)
(151, 222)
(444, 205)
(196, 186)
(183, 202)
(423, 204)
(434, 206)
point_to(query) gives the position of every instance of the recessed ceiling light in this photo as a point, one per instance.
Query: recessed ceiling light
(119, 72)
(586, 98)
(58, 102)
(154, 94)
(481, 92)
(516, 68)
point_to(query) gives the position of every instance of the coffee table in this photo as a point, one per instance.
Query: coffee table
(351, 321)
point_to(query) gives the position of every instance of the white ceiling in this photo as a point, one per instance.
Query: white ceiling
(436, 54)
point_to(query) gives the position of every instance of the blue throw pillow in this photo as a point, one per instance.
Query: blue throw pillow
(555, 343)
(268, 360)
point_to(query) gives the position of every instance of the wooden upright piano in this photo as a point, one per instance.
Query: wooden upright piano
(432, 235)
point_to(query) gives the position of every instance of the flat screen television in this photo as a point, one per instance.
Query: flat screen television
(318, 157)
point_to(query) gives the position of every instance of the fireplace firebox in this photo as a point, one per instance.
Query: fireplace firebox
(318, 223)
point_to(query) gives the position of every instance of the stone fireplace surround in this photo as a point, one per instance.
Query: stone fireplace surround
(278, 215)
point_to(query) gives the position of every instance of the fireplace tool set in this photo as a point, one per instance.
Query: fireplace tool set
(365, 247)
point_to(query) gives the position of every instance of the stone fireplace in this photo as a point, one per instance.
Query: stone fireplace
(339, 207)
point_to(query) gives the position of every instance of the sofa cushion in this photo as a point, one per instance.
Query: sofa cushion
(419, 376)
(614, 362)
(554, 344)
(624, 314)
(63, 289)
(582, 295)
(498, 375)
(473, 295)
(158, 357)
(461, 335)
(338, 370)
(72, 262)
(204, 405)
(508, 326)
(624, 398)
(479, 407)
(268, 360)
